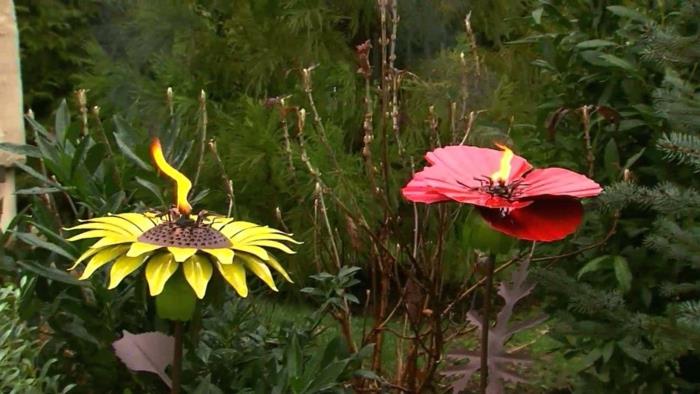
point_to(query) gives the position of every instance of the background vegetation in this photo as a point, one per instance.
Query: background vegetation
(317, 131)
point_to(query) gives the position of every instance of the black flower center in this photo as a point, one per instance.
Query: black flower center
(499, 188)
(185, 234)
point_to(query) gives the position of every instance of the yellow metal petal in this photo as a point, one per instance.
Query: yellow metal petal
(272, 262)
(141, 221)
(269, 237)
(101, 258)
(96, 234)
(122, 267)
(217, 222)
(260, 270)
(120, 222)
(253, 232)
(233, 228)
(254, 250)
(84, 256)
(198, 271)
(273, 244)
(99, 226)
(224, 255)
(139, 248)
(158, 270)
(112, 240)
(181, 254)
(234, 274)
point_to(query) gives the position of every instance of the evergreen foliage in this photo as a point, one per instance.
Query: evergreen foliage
(625, 294)
(651, 330)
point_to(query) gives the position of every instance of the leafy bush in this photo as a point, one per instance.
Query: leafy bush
(20, 346)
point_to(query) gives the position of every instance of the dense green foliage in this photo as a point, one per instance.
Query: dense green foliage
(607, 88)
(20, 372)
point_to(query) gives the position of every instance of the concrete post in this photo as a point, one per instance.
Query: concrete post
(11, 122)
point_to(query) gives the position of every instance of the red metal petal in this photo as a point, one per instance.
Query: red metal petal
(558, 182)
(454, 173)
(428, 190)
(547, 219)
(460, 164)
(418, 190)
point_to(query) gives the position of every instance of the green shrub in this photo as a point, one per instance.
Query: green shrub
(20, 347)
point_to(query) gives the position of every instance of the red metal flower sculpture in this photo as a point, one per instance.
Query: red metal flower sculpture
(514, 198)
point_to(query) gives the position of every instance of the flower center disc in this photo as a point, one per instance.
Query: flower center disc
(188, 235)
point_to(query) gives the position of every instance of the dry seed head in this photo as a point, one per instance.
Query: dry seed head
(82, 97)
(278, 213)
(301, 120)
(627, 175)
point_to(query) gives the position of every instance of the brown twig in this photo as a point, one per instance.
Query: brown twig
(590, 157)
(230, 195)
(486, 324)
(176, 373)
(203, 122)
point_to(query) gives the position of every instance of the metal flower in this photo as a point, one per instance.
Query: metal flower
(514, 198)
(166, 242)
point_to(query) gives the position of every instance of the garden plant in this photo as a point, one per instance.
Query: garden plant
(436, 196)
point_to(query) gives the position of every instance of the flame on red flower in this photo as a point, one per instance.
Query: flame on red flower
(501, 176)
(514, 198)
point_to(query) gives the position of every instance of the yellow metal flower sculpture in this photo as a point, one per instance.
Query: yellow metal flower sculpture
(166, 242)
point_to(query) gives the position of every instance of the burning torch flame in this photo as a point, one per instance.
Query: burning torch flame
(501, 176)
(182, 184)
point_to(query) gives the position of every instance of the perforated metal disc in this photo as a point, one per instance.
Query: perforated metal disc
(188, 235)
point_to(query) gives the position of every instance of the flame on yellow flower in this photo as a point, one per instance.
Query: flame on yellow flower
(182, 183)
(501, 176)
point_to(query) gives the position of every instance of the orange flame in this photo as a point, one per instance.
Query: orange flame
(182, 183)
(501, 176)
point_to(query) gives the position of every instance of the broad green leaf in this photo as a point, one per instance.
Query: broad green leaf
(32, 191)
(38, 128)
(593, 265)
(628, 13)
(593, 57)
(79, 154)
(615, 61)
(124, 147)
(20, 149)
(589, 44)
(153, 188)
(633, 159)
(35, 241)
(537, 15)
(62, 121)
(608, 350)
(55, 238)
(52, 273)
(612, 159)
(34, 173)
(628, 124)
(622, 273)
